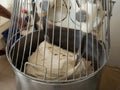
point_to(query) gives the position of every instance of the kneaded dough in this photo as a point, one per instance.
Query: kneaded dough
(48, 66)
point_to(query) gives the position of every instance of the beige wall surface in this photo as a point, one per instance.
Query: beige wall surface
(114, 59)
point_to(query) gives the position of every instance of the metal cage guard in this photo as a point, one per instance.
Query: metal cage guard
(64, 45)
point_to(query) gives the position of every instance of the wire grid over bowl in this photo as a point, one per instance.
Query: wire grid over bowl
(63, 41)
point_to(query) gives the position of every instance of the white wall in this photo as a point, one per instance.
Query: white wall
(6, 3)
(115, 36)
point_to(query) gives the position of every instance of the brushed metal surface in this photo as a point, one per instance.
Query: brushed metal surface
(25, 82)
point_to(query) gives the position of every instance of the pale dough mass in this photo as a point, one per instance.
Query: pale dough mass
(53, 66)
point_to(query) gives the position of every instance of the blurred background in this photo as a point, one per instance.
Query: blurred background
(114, 59)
